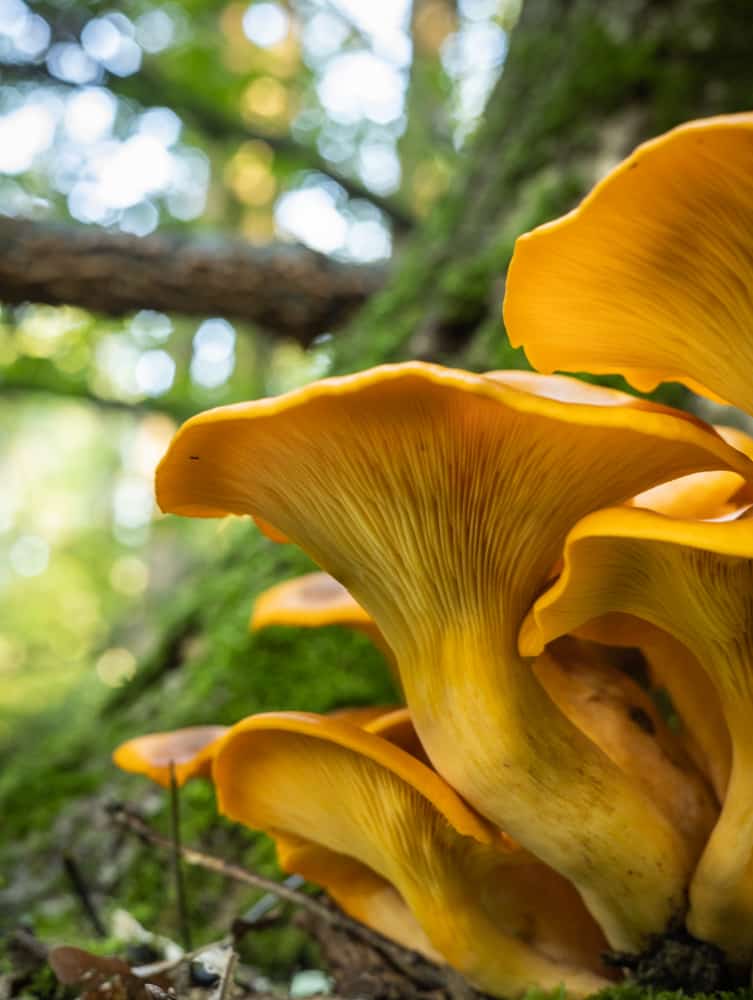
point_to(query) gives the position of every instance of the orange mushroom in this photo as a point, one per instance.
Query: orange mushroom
(703, 494)
(650, 276)
(620, 718)
(189, 750)
(312, 601)
(441, 499)
(673, 668)
(600, 701)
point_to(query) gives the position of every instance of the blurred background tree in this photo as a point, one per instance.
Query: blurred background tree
(204, 201)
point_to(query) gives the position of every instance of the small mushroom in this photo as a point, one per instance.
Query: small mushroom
(650, 276)
(703, 494)
(312, 601)
(189, 750)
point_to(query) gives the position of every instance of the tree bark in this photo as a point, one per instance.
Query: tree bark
(290, 291)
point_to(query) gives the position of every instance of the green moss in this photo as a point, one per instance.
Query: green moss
(44, 985)
(631, 991)
(205, 667)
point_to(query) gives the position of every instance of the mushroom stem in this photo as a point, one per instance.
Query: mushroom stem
(673, 667)
(621, 718)
(359, 815)
(533, 781)
(721, 893)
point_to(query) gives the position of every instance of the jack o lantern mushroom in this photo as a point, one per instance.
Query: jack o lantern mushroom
(650, 275)
(441, 500)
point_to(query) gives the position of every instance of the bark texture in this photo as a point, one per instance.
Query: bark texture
(288, 290)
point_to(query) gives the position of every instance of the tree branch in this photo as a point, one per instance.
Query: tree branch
(289, 290)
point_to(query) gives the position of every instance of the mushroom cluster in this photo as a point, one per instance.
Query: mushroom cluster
(507, 539)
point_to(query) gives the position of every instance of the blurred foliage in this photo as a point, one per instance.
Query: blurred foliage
(336, 123)
(327, 121)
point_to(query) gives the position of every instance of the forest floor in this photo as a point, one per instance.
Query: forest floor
(81, 892)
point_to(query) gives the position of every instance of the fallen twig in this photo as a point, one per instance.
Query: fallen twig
(413, 966)
(268, 902)
(81, 890)
(226, 978)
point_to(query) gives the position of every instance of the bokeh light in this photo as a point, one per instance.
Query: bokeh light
(266, 24)
(142, 118)
(29, 555)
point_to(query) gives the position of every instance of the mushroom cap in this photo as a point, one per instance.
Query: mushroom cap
(314, 599)
(608, 567)
(362, 715)
(359, 891)
(649, 276)
(397, 728)
(190, 750)
(703, 494)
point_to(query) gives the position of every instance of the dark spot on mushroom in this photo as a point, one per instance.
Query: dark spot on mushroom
(194, 458)
(642, 719)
